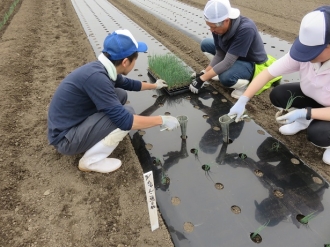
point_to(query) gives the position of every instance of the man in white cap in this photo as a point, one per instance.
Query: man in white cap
(310, 56)
(87, 113)
(234, 50)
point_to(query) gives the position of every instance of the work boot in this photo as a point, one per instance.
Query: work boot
(239, 87)
(95, 159)
(326, 156)
(295, 127)
(209, 55)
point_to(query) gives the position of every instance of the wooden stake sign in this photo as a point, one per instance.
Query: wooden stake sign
(151, 199)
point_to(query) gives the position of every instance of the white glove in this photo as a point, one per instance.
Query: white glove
(239, 108)
(160, 84)
(169, 123)
(193, 75)
(292, 116)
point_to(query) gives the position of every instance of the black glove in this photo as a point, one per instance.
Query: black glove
(196, 85)
(200, 74)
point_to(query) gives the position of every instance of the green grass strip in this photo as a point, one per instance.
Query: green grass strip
(169, 68)
(8, 13)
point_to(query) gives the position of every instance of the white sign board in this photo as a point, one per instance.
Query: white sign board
(151, 199)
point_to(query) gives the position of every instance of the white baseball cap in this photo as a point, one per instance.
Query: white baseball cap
(314, 35)
(217, 11)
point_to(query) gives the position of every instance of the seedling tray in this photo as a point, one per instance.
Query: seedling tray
(171, 92)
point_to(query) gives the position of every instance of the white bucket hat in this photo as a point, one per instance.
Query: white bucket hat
(216, 11)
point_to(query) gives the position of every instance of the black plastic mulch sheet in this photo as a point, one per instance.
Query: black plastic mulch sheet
(211, 193)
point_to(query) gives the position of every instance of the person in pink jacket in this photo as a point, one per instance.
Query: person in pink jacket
(310, 56)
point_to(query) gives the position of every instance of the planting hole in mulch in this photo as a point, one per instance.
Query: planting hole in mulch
(157, 162)
(142, 132)
(299, 217)
(188, 97)
(215, 92)
(224, 100)
(175, 201)
(167, 113)
(295, 161)
(188, 227)
(160, 104)
(257, 238)
(247, 120)
(155, 96)
(196, 106)
(206, 116)
(194, 151)
(216, 128)
(183, 137)
(242, 156)
(235, 209)
(165, 180)
(317, 180)
(261, 132)
(230, 141)
(149, 146)
(218, 186)
(258, 173)
(278, 193)
(206, 167)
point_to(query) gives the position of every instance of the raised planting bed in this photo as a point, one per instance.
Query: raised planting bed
(172, 70)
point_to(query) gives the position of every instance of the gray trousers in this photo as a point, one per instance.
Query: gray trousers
(82, 137)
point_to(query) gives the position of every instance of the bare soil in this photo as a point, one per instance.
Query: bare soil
(44, 199)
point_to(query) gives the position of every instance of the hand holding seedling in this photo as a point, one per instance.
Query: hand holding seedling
(160, 84)
(292, 116)
(169, 123)
(239, 108)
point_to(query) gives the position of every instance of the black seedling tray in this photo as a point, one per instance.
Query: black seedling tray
(171, 92)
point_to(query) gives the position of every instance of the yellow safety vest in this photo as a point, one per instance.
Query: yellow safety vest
(260, 67)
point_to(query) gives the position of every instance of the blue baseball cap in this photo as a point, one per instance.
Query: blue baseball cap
(314, 35)
(121, 44)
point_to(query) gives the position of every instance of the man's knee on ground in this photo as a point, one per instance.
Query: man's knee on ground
(227, 81)
(122, 95)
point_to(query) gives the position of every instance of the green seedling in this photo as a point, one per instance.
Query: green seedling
(243, 156)
(207, 169)
(170, 69)
(290, 102)
(276, 146)
(307, 218)
(256, 232)
(195, 151)
(165, 179)
(157, 162)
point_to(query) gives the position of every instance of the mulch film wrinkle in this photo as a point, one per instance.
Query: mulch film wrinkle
(212, 193)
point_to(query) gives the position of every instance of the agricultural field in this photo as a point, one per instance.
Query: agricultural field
(44, 199)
